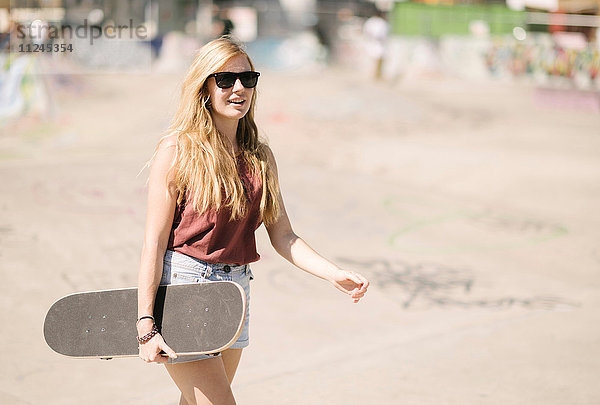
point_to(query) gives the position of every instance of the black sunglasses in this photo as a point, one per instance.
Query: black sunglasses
(226, 80)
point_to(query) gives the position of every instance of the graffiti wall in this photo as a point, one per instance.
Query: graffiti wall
(22, 89)
(539, 60)
(545, 62)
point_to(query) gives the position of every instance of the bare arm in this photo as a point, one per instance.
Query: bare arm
(295, 250)
(159, 219)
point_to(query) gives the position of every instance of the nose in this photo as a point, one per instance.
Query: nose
(238, 86)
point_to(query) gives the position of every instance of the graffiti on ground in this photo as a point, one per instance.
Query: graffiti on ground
(430, 226)
(430, 285)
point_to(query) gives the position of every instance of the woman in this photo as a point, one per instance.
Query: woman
(212, 183)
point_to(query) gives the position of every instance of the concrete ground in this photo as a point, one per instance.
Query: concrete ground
(470, 206)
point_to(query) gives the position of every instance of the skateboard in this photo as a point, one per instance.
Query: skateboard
(197, 318)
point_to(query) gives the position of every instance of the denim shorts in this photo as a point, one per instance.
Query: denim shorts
(179, 268)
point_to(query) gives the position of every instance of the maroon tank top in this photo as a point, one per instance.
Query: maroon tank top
(212, 237)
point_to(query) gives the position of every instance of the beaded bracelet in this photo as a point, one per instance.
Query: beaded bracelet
(148, 336)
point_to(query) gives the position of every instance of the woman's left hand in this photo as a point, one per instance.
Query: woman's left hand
(350, 283)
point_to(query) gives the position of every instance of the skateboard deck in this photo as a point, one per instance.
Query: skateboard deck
(192, 318)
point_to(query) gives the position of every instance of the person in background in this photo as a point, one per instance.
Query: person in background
(221, 24)
(375, 31)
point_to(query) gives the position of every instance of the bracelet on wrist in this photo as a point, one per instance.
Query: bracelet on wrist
(141, 318)
(148, 336)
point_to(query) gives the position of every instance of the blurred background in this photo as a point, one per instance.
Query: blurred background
(447, 150)
(548, 42)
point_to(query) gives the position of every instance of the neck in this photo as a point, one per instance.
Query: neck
(228, 129)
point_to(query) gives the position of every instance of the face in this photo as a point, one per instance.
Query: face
(232, 103)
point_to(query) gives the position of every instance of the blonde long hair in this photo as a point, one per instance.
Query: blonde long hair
(203, 166)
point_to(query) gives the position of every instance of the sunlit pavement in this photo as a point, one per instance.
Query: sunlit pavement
(471, 207)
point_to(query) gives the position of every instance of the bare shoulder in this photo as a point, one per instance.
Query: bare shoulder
(270, 157)
(166, 149)
(164, 158)
(167, 142)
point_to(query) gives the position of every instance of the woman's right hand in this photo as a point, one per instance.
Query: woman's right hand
(150, 351)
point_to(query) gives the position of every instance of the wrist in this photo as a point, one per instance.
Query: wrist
(148, 336)
(144, 326)
(332, 274)
(141, 318)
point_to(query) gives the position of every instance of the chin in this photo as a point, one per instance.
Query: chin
(237, 114)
